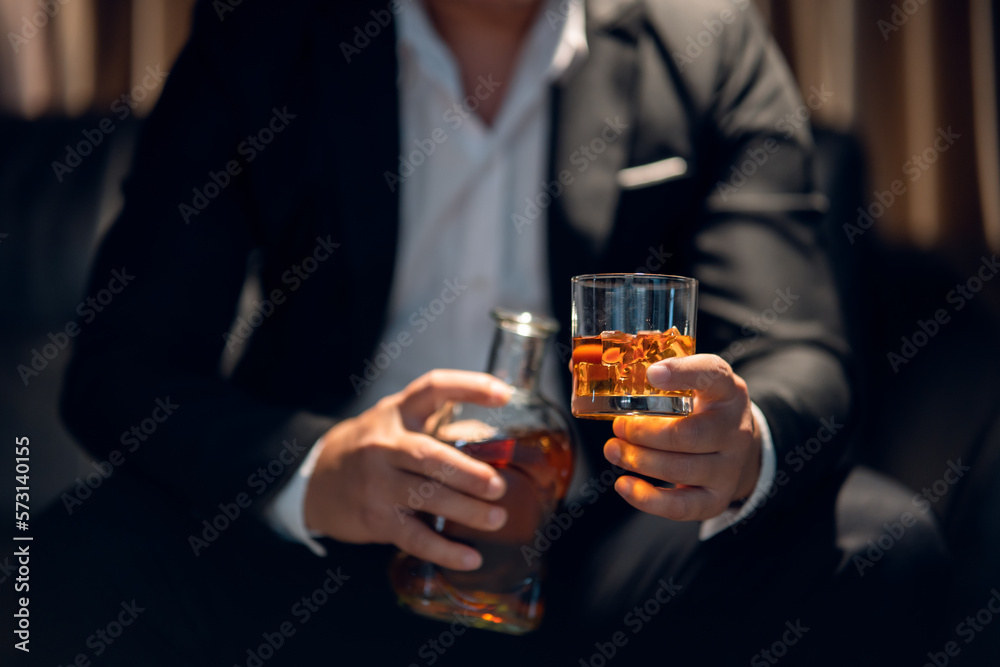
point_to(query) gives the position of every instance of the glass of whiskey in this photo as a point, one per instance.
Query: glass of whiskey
(622, 323)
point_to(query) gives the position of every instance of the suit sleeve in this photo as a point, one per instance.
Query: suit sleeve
(767, 300)
(145, 377)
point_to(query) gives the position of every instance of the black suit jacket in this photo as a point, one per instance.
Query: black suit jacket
(322, 177)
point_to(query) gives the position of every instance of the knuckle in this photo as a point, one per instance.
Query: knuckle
(434, 379)
(714, 370)
(635, 430)
(628, 431)
(631, 456)
(388, 403)
(414, 388)
(421, 456)
(414, 539)
(702, 379)
(720, 366)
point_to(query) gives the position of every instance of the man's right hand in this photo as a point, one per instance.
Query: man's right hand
(369, 464)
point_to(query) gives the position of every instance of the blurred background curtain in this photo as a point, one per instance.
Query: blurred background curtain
(78, 56)
(898, 70)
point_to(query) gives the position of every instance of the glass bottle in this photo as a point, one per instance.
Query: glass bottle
(528, 441)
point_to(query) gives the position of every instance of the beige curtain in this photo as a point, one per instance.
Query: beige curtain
(76, 56)
(902, 72)
(905, 74)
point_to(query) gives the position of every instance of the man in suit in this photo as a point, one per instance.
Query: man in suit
(362, 163)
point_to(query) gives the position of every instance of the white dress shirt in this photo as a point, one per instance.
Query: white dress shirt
(460, 253)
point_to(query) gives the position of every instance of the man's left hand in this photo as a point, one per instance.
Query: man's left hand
(712, 455)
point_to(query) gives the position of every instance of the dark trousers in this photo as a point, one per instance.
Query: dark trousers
(118, 583)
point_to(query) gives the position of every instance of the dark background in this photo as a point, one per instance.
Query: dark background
(898, 79)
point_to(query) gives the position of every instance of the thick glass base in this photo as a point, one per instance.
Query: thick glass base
(424, 588)
(609, 407)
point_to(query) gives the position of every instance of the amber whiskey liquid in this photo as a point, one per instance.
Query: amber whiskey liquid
(505, 593)
(609, 374)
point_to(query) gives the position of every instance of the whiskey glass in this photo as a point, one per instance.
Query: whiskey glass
(621, 324)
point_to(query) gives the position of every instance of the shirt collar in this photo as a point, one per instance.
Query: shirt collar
(555, 46)
(571, 49)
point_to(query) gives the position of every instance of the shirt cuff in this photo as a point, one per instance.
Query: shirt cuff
(768, 466)
(286, 514)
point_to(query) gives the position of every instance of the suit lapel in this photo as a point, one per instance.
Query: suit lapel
(591, 142)
(592, 125)
(360, 112)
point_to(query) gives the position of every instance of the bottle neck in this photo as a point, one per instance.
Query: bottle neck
(516, 358)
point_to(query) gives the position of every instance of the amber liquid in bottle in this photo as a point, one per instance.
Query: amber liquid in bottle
(528, 442)
(610, 371)
(505, 593)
